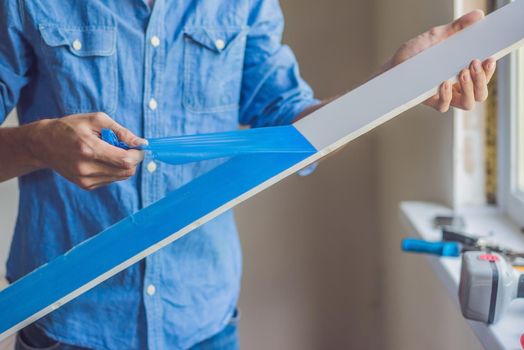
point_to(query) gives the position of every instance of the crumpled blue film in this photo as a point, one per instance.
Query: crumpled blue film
(193, 148)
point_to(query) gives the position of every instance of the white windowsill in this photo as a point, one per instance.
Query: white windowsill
(418, 218)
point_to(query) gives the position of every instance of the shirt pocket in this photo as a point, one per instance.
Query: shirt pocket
(213, 64)
(82, 66)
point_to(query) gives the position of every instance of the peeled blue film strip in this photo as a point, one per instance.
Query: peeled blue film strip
(123, 243)
(193, 148)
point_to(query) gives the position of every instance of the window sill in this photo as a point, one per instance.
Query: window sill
(418, 217)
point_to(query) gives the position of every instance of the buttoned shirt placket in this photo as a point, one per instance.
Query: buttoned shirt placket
(151, 187)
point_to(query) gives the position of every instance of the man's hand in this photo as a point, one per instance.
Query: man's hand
(472, 81)
(72, 147)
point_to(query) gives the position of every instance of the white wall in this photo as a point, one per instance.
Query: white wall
(8, 210)
(310, 243)
(414, 160)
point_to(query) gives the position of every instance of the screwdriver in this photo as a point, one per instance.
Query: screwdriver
(440, 248)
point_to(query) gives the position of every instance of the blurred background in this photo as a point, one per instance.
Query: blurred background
(323, 269)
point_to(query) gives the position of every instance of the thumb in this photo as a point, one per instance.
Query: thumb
(462, 22)
(127, 136)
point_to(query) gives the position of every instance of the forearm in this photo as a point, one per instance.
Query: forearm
(16, 155)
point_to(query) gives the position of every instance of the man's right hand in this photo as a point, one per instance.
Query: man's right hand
(72, 147)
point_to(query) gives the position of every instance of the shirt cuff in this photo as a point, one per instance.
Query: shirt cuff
(297, 108)
(301, 108)
(308, 170)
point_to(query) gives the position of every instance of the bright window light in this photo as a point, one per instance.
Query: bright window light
(520, 124)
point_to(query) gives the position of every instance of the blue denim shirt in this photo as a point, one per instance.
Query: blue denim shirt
(183, 67)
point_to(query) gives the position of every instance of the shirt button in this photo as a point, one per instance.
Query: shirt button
(220, 44)
(151, 290)
(152, 104)
(155, 41)
(77, 45)
(151, 167)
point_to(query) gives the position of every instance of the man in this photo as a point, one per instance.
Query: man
(162, 69)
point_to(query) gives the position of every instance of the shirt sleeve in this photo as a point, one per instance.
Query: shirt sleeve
(15, 57)
(273, 92)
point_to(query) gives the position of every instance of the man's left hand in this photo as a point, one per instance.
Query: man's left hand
(472, 81)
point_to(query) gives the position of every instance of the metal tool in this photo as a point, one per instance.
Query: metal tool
(480, 243)
(454, 222)
(488, 284)
(454, 243)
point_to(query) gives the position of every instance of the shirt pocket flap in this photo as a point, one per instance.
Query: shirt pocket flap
(81, 41)
(216, 40)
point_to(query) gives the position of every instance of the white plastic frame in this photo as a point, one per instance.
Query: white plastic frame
(510, 105)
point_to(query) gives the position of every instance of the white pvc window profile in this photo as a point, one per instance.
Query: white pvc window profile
(511, 133)
(515, 135)
(519, 132)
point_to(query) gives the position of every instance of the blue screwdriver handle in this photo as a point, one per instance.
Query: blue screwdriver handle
(436, 248)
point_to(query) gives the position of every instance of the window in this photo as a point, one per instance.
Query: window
(475, 170)
(489, 141)
(519, 168)
(511, 116)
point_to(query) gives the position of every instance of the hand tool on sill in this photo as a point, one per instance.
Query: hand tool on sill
(480, 243)
(441, 248)
(452, 227)
(488, 284)
(454, 244)
(453, 222)
(488, 281)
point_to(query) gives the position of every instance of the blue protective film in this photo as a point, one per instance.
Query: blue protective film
(110, 137)
(145, 229)
(193, 148)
